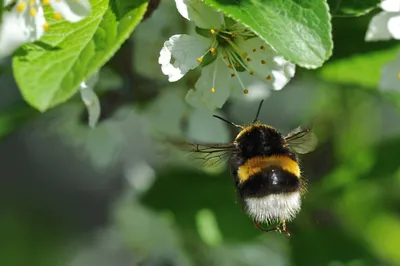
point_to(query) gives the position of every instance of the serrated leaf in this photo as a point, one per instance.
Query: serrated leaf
(298, 30)
(50, 71)
(350, 8)
(363, 70)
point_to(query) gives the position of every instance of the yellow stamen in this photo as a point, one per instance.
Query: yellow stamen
(212, 90)
(246, 91)
(269, 77)
(46, 2)
(31, 2)
(263, 62)
(57, 16)
(212, 50)
(21, 7)
(244, 55)
(46, 26)
(33, 11)
(212, 31)
(199, 59)
(398, 75)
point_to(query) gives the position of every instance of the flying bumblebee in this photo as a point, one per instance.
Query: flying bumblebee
(265, 168)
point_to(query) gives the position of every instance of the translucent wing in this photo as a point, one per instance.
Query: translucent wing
(301, 140)
(209, 154)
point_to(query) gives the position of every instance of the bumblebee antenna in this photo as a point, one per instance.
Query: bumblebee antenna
(226, 121)
(258, 111)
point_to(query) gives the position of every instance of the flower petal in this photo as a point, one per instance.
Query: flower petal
(90, 98)
(147, 46)
(72, 10)
(390, 79)
(390, 5)
(257, 89)
(195, 10)
(274, 70)
(378, 27)
(180, 53)
(394, 26)
(202, 96)
(35, 24)
(12, 33)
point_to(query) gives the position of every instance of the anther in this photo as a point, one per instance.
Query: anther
(212, 31)
(46, 2)
(224, 57)
(245, 91)
(248, 59)
(32, 11)
(21, 7)
(212, 50)
(57, 16)
(230, 66)
(244, 55)
(212, 90)
(398, 75)
(268, 77)
(46, 26)
(252, 72)
(233, 75)
(233, 34)
(254, 49)
(31, 2)
(199, 59)
(262, 47)
(263, 62)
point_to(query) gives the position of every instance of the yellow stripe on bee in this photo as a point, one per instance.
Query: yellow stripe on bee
(257, 164)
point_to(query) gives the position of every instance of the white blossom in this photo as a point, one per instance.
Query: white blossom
(227, 52)
(386, 24)
(90, 98)
(26, 22)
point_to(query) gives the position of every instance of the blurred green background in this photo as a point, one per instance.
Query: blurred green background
(76, 196)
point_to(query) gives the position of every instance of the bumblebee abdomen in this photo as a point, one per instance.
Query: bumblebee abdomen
(265, 175)
(271, 180)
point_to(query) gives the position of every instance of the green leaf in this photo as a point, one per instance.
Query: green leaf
(50, 71)
(299, 30)
(1, 10)
(350, 8)
(363, 69)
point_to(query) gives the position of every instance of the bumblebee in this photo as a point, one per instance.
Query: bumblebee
(265, 168)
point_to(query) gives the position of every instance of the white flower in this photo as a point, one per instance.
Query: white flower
(386, 24)
(26, 22)
(90, 98)
(390, 79)
(228, 53)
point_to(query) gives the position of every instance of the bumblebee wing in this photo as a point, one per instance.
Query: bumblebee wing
(301, 140)
(209, 154)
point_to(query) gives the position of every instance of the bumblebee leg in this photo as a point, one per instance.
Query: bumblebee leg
(284, 228)
(259, 227)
